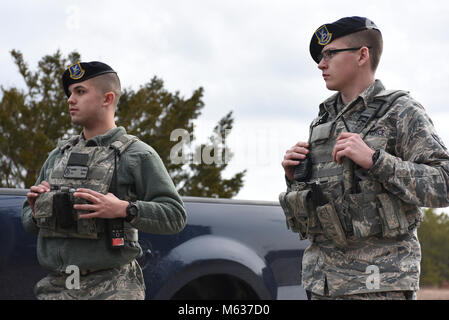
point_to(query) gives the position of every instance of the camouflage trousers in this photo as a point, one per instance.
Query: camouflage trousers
(388, 295)
(124, 283)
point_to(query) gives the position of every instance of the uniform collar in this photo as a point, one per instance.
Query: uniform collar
(105, 139)
(367, 96)
(370, 92)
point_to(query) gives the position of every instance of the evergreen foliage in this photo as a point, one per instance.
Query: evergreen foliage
(433, 235)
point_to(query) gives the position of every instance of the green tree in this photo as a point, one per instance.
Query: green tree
(201, 178)
(433, 235)
(32, 121)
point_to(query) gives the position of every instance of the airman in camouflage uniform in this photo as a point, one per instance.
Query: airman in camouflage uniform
(375, 160)
(93, 194)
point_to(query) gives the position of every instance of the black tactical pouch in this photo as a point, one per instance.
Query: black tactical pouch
(303, 170)
(63, 210)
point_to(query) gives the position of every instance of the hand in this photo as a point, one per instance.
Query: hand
(292, 156)
(352, 146)
(102, 206)
(35, 191)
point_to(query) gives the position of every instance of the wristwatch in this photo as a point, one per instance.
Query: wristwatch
(131, 211)
(376, 156)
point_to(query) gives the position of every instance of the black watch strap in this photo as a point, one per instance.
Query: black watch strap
(376, 156)
(131, 211)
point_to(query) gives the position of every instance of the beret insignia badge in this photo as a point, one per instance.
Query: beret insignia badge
(323, 35)
(76, 71)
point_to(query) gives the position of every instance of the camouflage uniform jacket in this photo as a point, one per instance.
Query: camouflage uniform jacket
(141, 176)
(413, 165)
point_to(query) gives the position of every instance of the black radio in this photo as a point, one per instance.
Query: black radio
(303, 170)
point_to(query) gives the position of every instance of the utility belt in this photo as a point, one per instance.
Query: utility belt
(83, 272)
(344, 219)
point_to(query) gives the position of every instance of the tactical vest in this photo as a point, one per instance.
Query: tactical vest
(80, 166)
(355, 206)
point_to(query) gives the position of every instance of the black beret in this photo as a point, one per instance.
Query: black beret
(82, 71)
(331, 31)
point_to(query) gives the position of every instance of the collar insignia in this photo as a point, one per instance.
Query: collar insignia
(76, 71)
(323, 35)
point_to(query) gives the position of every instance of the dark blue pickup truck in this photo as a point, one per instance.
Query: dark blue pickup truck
(230, 249)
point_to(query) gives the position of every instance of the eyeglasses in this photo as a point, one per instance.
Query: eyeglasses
(328, 54)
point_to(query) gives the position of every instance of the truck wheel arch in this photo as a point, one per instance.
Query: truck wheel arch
(214, 259)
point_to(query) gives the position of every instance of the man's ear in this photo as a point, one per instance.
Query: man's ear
(109, 98)
(364, 57)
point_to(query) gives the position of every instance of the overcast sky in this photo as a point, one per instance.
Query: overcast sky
(249, 56)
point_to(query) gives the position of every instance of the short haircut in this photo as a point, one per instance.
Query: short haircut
(368, 38)
(109, 82)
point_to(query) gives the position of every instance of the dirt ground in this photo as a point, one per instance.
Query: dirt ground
(433, 294)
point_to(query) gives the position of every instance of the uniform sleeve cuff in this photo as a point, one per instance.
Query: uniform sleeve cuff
(383, 169)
